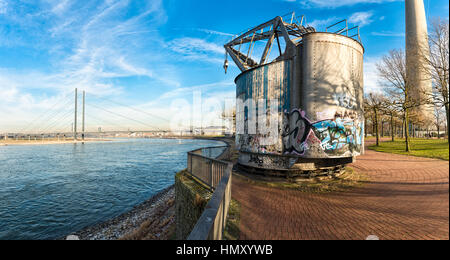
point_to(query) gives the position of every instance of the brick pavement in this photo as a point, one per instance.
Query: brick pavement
(406, 198)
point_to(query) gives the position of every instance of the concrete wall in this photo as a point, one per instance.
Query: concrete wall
(190, 201)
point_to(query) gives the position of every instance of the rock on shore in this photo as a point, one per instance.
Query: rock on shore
(152, 220)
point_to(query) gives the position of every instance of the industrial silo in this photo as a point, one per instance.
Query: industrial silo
(312, 92)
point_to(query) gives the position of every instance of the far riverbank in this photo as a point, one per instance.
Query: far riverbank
(9, 142)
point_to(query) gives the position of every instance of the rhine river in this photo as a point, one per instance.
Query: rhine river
(49, 191)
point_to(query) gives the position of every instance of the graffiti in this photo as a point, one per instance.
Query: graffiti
(266, 160)
(296, 135)
(345, 100)
(255, 158)
(255, 143)
(336, 133)
(338, 136)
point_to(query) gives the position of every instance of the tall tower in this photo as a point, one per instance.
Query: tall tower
(417, 52)
(75, 119)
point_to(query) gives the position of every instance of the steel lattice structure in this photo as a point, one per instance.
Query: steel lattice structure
(291, 32)
(271, 31)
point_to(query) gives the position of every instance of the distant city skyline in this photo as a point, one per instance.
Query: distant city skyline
(153, 55)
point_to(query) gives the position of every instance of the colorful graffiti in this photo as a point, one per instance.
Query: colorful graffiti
(338, 136)
(295, 131)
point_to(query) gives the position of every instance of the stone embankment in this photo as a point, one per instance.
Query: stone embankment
(151, 220)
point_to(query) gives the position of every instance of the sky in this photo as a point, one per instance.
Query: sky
(152, 60)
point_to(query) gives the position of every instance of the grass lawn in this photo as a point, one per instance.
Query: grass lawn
(431, 148)
(232, 230)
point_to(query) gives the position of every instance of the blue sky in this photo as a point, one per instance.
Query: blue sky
(153, 54)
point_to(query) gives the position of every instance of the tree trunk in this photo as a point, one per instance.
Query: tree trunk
(402, 134)
(382, 128)
(365, 127)
(445, 131)
(392, 128)
(448, 118)
(373, 126)
(407, 148)
(376, 127)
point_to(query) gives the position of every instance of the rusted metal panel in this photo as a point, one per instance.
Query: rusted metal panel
(320, 116)
(262, 84)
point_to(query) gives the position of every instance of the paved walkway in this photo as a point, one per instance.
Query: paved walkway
(407, 198)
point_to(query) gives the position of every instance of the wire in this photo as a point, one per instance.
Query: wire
(57, 121)
(108, 122)
(46, 117)
(53, 118)
(40, 116)
(130, 107)
(117, 114)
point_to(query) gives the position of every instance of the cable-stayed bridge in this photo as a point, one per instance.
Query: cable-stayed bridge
(72, 117)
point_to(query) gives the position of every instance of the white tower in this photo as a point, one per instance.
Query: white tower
(417, 52)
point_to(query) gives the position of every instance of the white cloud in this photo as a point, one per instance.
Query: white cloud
(321, 24)
(389, 34)
(338, 3)
(94, 47)
(197, 49)
(358, 18)
(61, 6)
(215, 32)
(361, 18)
(3, 6)
(204, 88)
(190, 46)
(371, 79)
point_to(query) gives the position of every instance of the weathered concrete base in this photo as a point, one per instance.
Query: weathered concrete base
(291, 167)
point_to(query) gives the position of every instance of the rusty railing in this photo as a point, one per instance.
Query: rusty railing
(205, 165)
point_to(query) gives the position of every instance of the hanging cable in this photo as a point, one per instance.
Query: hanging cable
(117, 114)
(43, 115)
(130, 107)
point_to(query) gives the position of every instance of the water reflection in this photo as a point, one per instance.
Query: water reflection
(49, 191)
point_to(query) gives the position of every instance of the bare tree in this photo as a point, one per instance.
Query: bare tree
(390, 109)
(392, 72)
(437, 63)
(439, 115)
(374, 103)
(368, 117)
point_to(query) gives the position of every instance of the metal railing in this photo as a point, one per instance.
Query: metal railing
(346, 30)
(216, 174)
(204, 164)
(211, 224)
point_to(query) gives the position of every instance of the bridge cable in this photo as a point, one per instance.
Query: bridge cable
(117, 114)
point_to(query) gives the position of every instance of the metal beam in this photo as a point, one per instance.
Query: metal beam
(235, 58)
(266, 50)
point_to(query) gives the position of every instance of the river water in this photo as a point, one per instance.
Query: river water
(49, 191)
